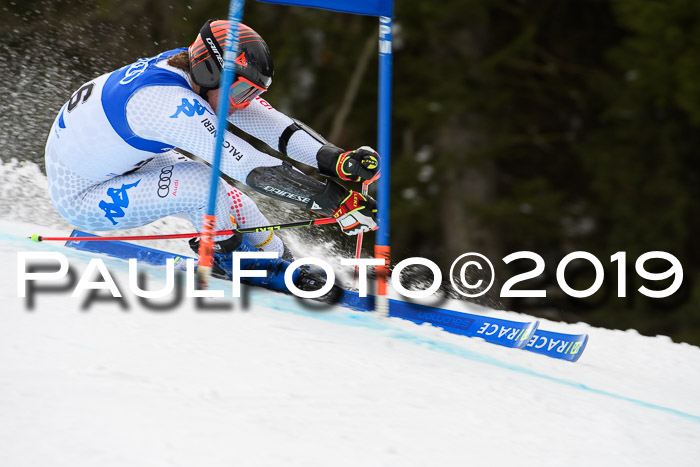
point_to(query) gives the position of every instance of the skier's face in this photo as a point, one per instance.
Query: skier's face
(240, 95)
(213, 99)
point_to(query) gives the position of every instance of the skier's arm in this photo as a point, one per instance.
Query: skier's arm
(298, 141)
(272, 127)
(179, 117)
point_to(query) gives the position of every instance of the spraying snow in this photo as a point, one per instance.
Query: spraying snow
(276, 383)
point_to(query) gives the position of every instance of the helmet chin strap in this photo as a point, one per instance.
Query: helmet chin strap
(203, 92)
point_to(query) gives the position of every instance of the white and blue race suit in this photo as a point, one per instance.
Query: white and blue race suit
(110, 159)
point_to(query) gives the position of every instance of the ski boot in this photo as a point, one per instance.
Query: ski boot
(304, 278)
(223, 263)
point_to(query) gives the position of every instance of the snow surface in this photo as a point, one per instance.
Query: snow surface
(279, 384)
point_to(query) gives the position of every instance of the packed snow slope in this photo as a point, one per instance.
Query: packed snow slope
(275, 383)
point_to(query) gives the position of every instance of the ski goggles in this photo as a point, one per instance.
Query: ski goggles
(242, 92)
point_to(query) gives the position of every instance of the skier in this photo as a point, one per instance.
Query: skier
(111, 164)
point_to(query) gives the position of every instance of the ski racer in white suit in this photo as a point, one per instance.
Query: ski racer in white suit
(110, 162)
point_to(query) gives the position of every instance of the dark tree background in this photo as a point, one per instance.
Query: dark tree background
(542, 125)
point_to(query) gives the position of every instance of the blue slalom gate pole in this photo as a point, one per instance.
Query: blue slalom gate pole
(206, 245)
(381, 247)
(384, 9)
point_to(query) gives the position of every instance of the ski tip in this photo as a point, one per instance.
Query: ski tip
(582, 348)
(35, 238)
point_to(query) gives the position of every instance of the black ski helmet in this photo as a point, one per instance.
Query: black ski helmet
(253, 59)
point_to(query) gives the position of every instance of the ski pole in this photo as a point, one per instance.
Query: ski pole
(358, 245)
(245, 230)
(227, 71)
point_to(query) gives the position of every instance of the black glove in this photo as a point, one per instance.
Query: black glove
(360, 164)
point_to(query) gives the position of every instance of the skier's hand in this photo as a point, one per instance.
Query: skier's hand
(357, 214)
(358, 165)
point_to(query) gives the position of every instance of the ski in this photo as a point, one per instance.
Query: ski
(497, 331)
(567, 347)
(503, 332)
